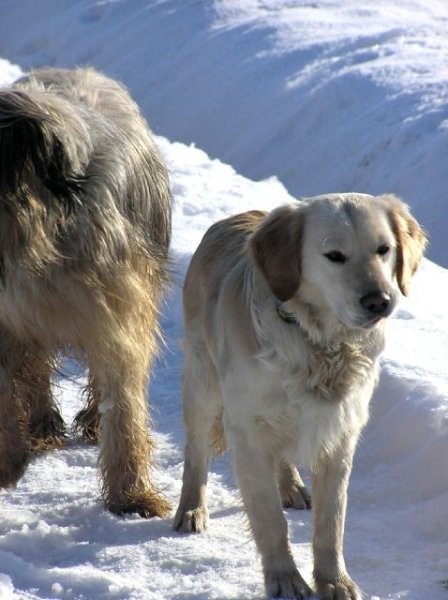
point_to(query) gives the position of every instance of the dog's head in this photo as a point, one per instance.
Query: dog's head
(347, 253)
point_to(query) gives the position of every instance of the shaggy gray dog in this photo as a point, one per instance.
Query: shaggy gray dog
(85, 218)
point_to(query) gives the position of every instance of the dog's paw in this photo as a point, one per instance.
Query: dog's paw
(12, 468)
(48, 433)
(147, 505)
(286, 584)
(343, 589)
(191, 521)
(296, 496)
(87, 424)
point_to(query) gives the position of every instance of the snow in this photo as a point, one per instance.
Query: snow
(325, 95)
(300, 98)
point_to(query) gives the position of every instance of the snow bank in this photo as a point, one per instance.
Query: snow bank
(327, 96)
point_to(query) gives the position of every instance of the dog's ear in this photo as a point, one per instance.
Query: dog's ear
(275, 247)
(30, 147)
(411, 241)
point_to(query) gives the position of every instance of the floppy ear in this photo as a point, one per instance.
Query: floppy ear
(30, 147)
(275, 247)
(411, 241)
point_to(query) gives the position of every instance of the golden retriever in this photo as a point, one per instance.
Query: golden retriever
(85, 223)
(284, 318)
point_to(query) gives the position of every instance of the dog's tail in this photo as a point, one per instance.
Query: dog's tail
(31, 146)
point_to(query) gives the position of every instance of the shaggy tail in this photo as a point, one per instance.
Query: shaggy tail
(30, 145)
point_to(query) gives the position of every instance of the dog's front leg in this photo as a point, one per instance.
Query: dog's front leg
(330, 481)
(255, 471)
(199, 417)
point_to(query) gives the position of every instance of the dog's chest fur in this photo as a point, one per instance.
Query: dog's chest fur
(323, 394)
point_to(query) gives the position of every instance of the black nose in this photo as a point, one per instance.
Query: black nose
(376, 303)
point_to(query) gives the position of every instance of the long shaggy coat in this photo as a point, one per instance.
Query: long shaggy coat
(85, 218)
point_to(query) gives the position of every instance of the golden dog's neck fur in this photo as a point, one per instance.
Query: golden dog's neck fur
(323, 360)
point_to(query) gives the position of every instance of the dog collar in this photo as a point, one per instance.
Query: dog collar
(286, 316)
(290, 319)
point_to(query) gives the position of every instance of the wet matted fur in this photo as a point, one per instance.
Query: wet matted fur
(284, 323)
(85, 219)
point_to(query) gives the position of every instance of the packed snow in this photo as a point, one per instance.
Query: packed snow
(305, 98)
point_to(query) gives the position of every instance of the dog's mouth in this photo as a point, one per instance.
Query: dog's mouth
(365, 323)
(372, 322)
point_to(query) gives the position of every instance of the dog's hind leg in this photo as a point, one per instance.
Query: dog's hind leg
(87, 421)
(15, 446)
(119, 338)
(45, 423)
(203, 426)
(120, 383)
(293, 491)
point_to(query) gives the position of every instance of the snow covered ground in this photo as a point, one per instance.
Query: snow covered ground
(327, 95)
(322, 96)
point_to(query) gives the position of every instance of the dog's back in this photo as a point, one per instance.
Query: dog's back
(220, 250)
(112, 137)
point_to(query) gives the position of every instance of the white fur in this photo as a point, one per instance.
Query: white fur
(289, 392)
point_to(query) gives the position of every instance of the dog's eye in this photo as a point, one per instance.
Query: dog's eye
(336, 256)
(383, 250)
